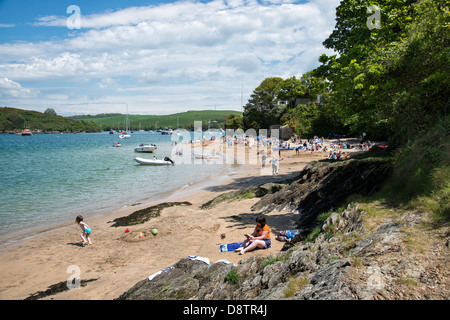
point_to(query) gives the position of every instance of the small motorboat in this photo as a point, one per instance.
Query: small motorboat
(117, 144)
(125, 136)
(154, 161)
(25, 132)
(149, 148)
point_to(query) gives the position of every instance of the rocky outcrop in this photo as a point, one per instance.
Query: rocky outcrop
(324, 186)
(346, 262)
(245, 193)
(143, 215)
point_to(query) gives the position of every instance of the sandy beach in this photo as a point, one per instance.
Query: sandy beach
(118, 260)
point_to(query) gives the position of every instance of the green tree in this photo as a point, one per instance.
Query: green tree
(50, 111)
(262, 111)
(291, 89)
(391, 81)
(234, 121)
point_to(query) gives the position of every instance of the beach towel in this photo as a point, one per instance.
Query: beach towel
(205, 260)
(226, 262)
(158, 273)
(230, 246)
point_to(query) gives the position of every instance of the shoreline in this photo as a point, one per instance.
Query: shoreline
(28, 232)
(118, 260)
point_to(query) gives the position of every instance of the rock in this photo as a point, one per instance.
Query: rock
(345, 261)
(329, 283)
(323, 186)
(146, 214)
(245, 193)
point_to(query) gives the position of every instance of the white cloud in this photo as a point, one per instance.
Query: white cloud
(181, 46)
(12, 89)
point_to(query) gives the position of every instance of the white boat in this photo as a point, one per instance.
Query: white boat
(125, 136)
(117, 144)
(149, 148)
(154, 162)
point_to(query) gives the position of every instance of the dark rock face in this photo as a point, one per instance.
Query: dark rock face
(245, 193)
(345, 261)
(145, 214)
(257, 277)
(324, 186)
(353, 264)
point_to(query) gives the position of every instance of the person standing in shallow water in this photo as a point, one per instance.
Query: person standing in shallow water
(260, 238)
(86, 231)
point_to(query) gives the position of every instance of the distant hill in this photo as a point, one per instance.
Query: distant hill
(185, 120)
(14, 120)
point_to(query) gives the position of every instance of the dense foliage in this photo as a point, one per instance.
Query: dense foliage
(390, 82)
(12, 119)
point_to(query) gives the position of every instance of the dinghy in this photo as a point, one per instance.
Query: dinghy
(154, 162)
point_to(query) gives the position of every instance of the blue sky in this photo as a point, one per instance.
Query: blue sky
(157, 57)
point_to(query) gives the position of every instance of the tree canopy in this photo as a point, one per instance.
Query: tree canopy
(390, 82)
(12, 119)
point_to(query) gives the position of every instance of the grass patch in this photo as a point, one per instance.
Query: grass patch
(323, 216)
(233, 277)
(421, 177)
(313, 235)
(295, 285)
(272, 259)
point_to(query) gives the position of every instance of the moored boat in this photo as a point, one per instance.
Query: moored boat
(148, 148)
(125, 136)
(25, 132)
(154, 162)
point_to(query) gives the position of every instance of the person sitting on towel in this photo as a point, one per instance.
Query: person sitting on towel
(260, 238)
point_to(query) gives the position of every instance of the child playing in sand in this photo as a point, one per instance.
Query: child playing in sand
(260, 238)
(86, 230)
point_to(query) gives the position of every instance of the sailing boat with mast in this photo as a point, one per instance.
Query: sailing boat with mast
(126, 135)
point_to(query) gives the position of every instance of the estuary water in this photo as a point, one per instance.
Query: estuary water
(49, 179)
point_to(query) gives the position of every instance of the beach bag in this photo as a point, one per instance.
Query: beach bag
(291, 233)
(281, 236)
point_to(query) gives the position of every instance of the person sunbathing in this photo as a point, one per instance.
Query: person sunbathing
(260, 238)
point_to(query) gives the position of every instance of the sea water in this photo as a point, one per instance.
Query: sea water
(49, 179)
